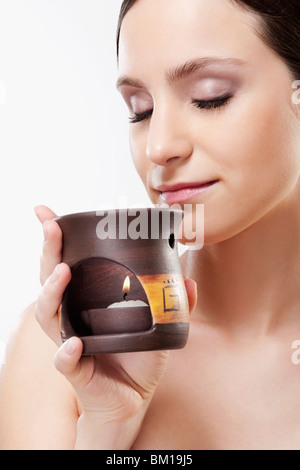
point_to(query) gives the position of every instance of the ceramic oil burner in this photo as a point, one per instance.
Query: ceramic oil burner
(127, 291)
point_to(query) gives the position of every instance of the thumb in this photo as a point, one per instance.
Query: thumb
(44, 213)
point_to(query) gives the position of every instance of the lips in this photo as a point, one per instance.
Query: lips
(172, 194)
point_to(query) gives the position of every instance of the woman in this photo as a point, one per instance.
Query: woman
(209, 92)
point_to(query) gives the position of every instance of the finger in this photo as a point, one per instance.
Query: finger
(52, 248)
(191, 290)
(51, 253)
(68, 361)
(67, 357)
(44, 213)
(49, 301)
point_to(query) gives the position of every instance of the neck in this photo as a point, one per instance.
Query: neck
(251, 281)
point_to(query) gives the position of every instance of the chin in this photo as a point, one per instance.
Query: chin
(218, 232)
(221, 229)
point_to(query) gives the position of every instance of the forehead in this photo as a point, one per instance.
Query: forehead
(166, 32)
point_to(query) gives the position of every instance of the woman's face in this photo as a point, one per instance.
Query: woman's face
(212, 118)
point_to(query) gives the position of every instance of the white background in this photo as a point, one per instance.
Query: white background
(63, 130)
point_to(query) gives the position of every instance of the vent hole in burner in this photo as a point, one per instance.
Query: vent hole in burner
(172, 240)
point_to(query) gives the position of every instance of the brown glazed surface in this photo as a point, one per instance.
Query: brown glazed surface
(99, 268)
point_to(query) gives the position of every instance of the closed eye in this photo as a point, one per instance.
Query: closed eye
(212, 104)
(215, 103)
(138, 117)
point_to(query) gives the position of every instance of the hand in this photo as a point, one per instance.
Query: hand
(113, 389)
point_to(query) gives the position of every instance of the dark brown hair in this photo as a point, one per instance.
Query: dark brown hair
(278, 26)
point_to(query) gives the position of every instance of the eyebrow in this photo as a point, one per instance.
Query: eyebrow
(192, 66)
(183, 71)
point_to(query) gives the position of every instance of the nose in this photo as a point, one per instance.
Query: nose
(168, 136)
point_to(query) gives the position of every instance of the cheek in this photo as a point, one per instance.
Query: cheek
(259, 149)
(258, 155)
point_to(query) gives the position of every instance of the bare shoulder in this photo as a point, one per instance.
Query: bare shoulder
(38, 408)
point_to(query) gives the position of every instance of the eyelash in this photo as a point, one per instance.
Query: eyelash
(213, 104)
(138, 117)
(200, 104)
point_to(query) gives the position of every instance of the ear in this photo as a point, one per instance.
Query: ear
(191, 290)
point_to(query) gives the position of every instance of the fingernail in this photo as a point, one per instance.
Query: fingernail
(54, 276)
(69, 348)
